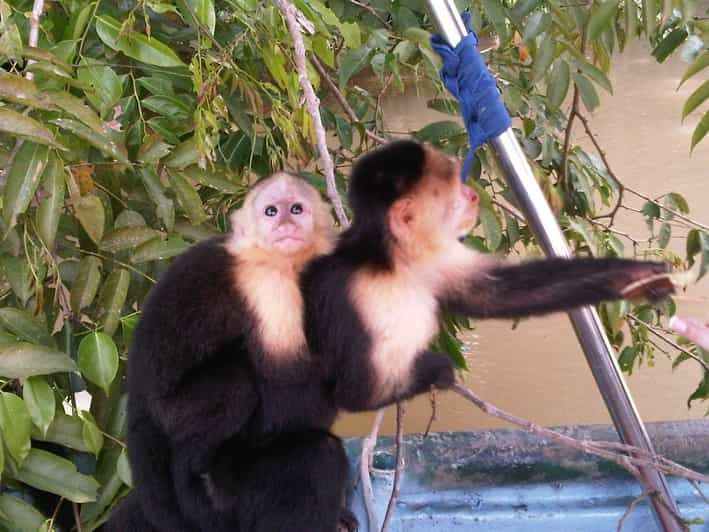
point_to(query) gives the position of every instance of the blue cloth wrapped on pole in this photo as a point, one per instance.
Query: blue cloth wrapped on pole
(466, 76)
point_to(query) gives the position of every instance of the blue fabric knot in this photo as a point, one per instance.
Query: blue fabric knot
(465, 75)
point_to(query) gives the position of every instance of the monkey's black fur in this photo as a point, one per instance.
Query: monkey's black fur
(335, 325)
(220, 437)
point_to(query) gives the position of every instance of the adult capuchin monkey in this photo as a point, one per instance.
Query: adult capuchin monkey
(372, 305)
(228, 414)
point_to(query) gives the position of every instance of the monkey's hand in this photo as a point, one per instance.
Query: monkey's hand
(648, 280)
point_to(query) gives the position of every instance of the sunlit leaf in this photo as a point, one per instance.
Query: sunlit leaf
(701, 130)
(22, 360)
(75, 106)
(98, 359)
(25, 127)
(136, 45)
(64, 430)
(90, 212)
(22, 181)
(104, 87)
(85, 286)
(113, 297)
(93, 438)
(128, 237)
(39, 398)
(187, 197)
(601, 17)
(15, 424)
(699, 64)
(14, 88)
(202, 10)
(101, 142)
(185, 154)
(123, 468)
(49, 472)
(51, 207)
(158, 249)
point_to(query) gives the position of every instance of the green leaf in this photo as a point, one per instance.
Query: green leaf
(85, 286)
(351, 34)
(111, 487)
(218, 179)
(669, 44)
(491, 228)
(344, 132)
(538, 23)
(664, 236)
(496, 12)
(627, 357)
(17, 515)
(543, 59)
(75, 106)
(136, 45)
(22, 360)
(18, 273)
(49, 472)
(187, 197)
(78, 22)
(158, 249)
(15, 424)
(16, 89)
(352, 63)
(699, 64)
(89, 211)
(558, 85)
(93, 438)
(22, 181)
(522, 8)
(113, 296)
(128, 237)
(39, 398)
(172, 106)
(323, 50)
(194, 233)
(24, 127)
(438, 131)
(444, 105)
(101, 142)
(185, 154)
(701, 130)
(25, 326)
(596, 74)
(203, 10)
(64, 430)
(589, 96)
(123, 469)
(601, 17)
(104, 87)
(98, 359)
(165, 207)
(695, 99)
(51, 207)
(40, 54)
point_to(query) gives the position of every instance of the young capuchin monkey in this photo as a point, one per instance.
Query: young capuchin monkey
(228, 414)
(372, 305)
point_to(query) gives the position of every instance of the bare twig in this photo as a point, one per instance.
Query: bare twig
(341, 99)
(567, 138)
(33, 39)
(630, 509)
(77, 518)
(658, 333)
(364, 466)
(400, 411)
(374, 11)
(515, 213)
(634, 458)
(432, 398)
(699, 491)
(292, 14)
(677, 215)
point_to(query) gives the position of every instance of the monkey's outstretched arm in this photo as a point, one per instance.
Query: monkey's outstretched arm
(551, 285)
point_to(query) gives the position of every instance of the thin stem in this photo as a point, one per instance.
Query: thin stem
(400, 411)
(630, 509)
(364, 466)
(77, 518)
(292, 14)
(33, 38)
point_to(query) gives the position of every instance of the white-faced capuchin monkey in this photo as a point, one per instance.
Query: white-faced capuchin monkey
(372, 305)
(229, 415)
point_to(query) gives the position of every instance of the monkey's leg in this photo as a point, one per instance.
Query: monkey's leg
(550, 285)
(129, 517)
(296, 482)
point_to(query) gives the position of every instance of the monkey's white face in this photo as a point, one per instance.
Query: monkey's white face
(284, 217)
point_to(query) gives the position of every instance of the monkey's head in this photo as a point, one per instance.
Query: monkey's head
(285, 215)
(409, 196)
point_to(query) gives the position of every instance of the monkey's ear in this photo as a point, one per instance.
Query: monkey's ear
(400, 217)
(238, 223)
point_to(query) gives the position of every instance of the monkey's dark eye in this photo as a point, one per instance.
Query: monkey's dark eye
(271, 211)
(296, 208)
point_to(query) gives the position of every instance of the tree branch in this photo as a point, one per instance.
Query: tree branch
(364, 466)
(33, 39)
(400, 411)
(292, 14)
(633, 458)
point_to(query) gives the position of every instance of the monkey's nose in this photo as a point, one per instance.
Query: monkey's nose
(470, 194)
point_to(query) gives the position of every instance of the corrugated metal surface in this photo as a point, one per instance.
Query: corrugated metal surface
(507, 480)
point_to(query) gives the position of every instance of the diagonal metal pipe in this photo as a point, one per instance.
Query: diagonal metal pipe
(585, 321)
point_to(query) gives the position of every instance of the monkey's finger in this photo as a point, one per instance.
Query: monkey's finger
(692, 329)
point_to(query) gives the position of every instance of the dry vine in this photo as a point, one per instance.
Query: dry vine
(400, 411)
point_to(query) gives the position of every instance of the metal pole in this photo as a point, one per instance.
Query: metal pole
(585, 321)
